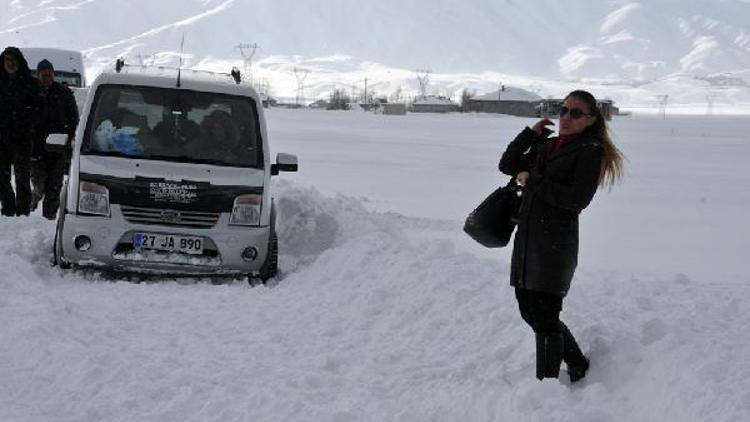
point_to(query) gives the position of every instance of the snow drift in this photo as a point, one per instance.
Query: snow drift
(376, 318)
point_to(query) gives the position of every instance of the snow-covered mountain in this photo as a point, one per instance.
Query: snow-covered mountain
(688, 49)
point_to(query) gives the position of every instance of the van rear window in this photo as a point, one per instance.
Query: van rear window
(68, 78)
(174, 125)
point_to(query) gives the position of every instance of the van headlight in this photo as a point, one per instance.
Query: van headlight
(93, 199)
(246, 210)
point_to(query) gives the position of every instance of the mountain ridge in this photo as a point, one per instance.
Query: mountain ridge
(544, 42)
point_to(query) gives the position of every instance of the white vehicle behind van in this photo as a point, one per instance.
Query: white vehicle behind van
(171, 173)
(68, 64)
(69, 68)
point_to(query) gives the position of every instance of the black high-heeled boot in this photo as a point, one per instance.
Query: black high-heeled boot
(549, 353)
(577, 372)
(577, 363)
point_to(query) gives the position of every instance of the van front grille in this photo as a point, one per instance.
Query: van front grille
(167, 217)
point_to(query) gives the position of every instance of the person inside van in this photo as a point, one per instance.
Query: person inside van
(109, 109)
(220, 138)
(176, 132)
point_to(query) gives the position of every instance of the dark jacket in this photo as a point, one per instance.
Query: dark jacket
(19, 100)
(58, 114)
(545, 250)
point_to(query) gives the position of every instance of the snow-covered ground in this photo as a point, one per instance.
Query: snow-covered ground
(386, 311)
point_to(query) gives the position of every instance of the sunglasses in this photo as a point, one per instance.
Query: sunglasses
(574, 113)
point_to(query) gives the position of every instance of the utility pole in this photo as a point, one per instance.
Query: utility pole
(710, 98)
(300, 75)
(142, 59)
(423, 77)
(247, 51)
(663, 105)
(263, 86)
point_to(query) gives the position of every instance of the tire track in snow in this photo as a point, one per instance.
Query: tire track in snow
(49, 18)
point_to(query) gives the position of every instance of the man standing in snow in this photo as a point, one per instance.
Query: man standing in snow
(58, 114)
(19, 99)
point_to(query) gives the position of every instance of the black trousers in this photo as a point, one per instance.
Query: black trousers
(542, 312)
(15, 154)
(47, 174)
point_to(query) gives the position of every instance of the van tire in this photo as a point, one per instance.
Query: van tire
(270, 267)
(58, 260)
(57, 250)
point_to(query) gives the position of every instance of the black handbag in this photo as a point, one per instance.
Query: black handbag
(493, 221)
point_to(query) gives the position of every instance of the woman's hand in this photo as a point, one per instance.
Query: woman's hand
(540, 125)
(522, 177)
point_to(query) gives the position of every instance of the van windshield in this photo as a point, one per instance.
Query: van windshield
(174, 125)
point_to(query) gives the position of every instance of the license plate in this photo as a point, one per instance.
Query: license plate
(169, 242)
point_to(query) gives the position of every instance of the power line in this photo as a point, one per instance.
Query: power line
(142, 59)
(663, 105)
(423, 77)
(710, 98)
(247, 51)
(300, 75)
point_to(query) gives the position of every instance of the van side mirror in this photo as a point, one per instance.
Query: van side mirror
(56, 142)
(284, 162)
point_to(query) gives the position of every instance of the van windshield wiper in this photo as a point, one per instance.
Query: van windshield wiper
(173, 158)
(114, 154)
(186, 159)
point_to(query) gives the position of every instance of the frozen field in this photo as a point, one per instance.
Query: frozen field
(680, 210)
(386, 311)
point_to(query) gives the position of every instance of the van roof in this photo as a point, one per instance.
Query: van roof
(165, 77)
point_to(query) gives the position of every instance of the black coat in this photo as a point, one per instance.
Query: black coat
(545, 250)
(19, 100)
(58, 114)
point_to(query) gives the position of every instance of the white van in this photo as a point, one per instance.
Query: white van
(171, 174)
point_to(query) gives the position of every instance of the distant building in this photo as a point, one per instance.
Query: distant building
(374, 104)
(394, 109)
(507, 100)
(551, 108)
(433, 104)
(608, 108)
(267, 100)
(321, 104)
(289, 105)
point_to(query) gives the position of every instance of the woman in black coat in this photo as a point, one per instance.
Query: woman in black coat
(560, 176)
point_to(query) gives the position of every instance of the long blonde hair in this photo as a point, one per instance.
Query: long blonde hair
(613, 160)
